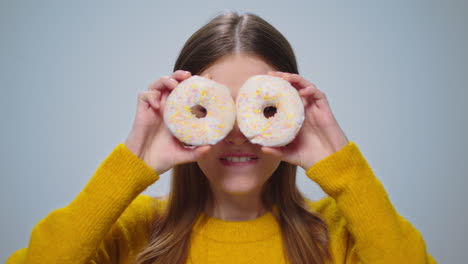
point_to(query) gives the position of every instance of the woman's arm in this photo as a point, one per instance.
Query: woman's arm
(74, 233)
(377, 233)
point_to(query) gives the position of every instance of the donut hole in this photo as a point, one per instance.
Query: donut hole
(269, 111)
(198, 111)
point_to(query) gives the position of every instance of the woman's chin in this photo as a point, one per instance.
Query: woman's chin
(240, 188)
(238, 184)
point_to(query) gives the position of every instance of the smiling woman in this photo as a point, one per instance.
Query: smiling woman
(229, 178)
(233, 201)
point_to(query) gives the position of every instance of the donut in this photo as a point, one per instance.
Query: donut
(200, 111)
(269, 110)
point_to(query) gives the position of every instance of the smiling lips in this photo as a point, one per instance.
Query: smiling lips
(235, 159)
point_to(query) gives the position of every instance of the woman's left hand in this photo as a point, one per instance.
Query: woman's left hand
(320, 135)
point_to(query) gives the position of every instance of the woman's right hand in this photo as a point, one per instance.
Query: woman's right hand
(149, 138)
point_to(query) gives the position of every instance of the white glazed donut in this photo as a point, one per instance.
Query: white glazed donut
(198, 96)
(265, 127)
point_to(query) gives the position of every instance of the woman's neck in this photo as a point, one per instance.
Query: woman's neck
(236, 207)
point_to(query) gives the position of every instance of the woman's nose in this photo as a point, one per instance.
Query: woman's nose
(235, 136)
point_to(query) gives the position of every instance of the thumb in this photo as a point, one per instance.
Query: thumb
(273, 151)
(194, 154)
(201, 150)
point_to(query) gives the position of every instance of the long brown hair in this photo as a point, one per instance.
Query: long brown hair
(305, 233)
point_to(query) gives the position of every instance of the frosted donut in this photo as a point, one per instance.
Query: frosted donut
(200, 111)
(270, 111)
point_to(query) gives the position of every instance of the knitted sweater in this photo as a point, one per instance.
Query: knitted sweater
(108, 221)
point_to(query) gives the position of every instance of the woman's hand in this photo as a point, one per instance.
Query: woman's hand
(320, 135)
(149, 138)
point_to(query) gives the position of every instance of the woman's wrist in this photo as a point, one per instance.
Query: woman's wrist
(136, 150)
(325, 152)
(318, 156)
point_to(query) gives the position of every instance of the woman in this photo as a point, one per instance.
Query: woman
(219, 210)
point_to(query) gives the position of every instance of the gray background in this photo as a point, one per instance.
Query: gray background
(395, 73)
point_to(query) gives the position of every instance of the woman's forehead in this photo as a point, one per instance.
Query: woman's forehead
(232, 71)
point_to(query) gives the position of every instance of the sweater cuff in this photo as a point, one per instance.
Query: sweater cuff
(122, 170)
(340, 169)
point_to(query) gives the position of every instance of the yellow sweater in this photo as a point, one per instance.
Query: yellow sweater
(107, 221)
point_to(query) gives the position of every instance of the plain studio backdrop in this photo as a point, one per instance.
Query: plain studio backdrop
(395, 74)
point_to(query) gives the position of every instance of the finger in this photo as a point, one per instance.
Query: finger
(201, 150)
(150, 98)
(181, 75)
(194, 153)
(312, 90)
(297, 81)
(307, 91)
(163, 99)
(170, 83)
(273, 151)
(158, 85)
(275, 73)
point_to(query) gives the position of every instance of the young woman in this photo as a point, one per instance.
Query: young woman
(220, 211)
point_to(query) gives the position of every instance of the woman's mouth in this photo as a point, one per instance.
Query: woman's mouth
(238, 159)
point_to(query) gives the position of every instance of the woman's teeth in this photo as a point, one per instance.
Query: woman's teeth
(238, 159)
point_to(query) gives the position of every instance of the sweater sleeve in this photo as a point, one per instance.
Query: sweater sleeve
(86, 230)
(373, 230)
